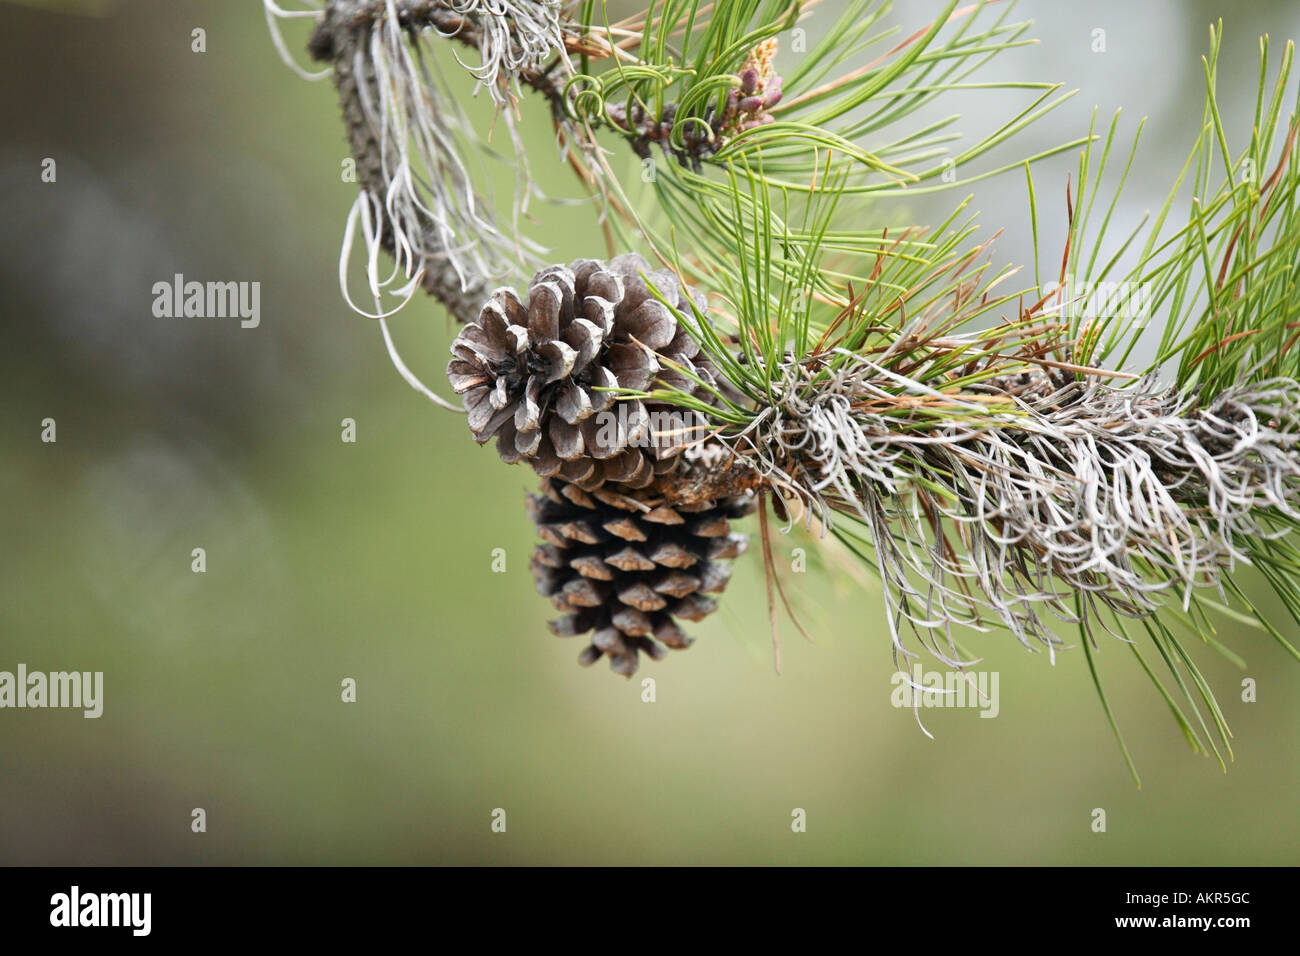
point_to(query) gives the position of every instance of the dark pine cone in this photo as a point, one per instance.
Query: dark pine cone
(628, 567)
(531, 372)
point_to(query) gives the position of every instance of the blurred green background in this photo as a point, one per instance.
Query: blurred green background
(372, 560)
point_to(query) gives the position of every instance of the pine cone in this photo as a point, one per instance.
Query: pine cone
(626, 566)
(530, 373)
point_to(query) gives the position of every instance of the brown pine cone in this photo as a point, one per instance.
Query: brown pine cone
(627, 566)
(531, 372)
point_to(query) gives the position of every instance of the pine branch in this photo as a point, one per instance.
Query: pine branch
(987, 450)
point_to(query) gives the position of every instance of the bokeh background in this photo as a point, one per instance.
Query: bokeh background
(328, 560)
